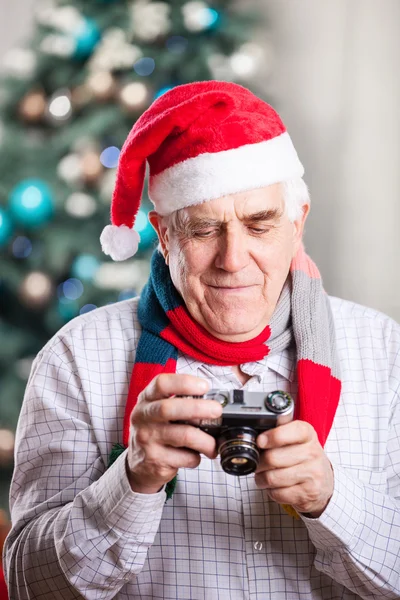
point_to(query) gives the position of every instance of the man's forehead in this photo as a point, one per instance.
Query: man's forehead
(261, 203)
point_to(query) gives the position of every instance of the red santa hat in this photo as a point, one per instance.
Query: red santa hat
(202, 141)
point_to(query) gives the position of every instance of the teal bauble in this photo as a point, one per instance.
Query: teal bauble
(6, 228)
(86, 37)
(31, 203)
(148, 236)
(85, 267)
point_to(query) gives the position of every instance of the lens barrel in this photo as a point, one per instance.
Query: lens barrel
(238, 451)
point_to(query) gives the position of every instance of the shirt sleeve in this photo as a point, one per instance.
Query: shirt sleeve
(357, 537)
(78, 529)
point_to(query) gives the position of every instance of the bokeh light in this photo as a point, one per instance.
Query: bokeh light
(144, 66)
(22, 247)
(85, 267)
(60, 107)
(110, 156)
(87, 308)
(126, 294)
(162, 91)
(177, 44)
(141, 221)
(71, 289)
(134, 94)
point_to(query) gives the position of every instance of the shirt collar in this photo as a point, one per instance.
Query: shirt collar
(283, 363)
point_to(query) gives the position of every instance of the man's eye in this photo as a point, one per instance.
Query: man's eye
(204, 234)
(259, 230)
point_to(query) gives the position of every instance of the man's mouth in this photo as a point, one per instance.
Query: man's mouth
(227, 289)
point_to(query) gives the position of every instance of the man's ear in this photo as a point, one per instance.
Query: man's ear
(299, 227)
(161, 229)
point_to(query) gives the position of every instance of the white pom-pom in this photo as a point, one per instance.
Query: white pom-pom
(119, 242)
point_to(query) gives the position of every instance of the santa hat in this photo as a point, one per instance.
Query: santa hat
(202, 141)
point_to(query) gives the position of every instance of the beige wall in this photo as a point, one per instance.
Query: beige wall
(336, 83)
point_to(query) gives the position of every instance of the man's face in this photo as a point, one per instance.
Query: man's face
(230, 259)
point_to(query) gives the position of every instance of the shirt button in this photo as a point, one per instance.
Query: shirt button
(258, 546)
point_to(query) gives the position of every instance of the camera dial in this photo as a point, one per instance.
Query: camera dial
(278, 401)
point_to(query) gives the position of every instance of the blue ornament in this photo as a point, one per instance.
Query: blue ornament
(85, 266)
(87, 308)
(22, 247)
(31, 203)
(6, 227)
(110, 156)
(162, 91)
(144, 66)
(72, 289)
(144, 228)
(211, 18)
(177, 44)
(86, 37)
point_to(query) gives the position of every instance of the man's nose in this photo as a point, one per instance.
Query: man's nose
(233, 254)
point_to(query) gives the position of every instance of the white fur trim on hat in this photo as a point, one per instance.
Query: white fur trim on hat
(215, 174)
(119, 242)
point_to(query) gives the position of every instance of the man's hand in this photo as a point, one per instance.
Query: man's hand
(294, 468)
(158, 447)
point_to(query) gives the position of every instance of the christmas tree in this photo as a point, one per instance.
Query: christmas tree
(67, 101)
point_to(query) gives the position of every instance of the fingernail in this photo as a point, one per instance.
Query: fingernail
(216, 411)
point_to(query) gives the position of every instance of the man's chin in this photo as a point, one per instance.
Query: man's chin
(235, 330)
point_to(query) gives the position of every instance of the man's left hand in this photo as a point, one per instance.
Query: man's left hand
(294, 468)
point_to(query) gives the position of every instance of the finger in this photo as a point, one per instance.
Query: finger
(162, 458)
(287, 456)
(174, 409)
(186, 436)
(289, 495)
(295, 432)
(169, 384)
(182, 458)
(280, 478)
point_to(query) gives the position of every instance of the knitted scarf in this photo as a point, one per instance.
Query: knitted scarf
(167, 327)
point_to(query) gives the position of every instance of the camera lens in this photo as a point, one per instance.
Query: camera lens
(238, 450)
(278, 401)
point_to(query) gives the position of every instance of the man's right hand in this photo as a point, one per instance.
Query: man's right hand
(157, 446)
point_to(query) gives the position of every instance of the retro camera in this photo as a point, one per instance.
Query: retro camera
(245, 415)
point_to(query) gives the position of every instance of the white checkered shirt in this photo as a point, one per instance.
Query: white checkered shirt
(79, 530)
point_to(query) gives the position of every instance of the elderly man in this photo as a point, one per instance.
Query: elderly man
(232, 302)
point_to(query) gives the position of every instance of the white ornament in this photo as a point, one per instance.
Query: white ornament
(80, 205)
(60, 107)
(247, 60)
(134, 94)
(58, 45)
(150, 19)
(196, 15)
(65, 18)
(107, 185)
(111, 276)
(119, 242)
(20, 63)
(70, 168)
(114, 52)
(220, 67)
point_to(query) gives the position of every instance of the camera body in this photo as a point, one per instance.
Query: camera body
(245, 415)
